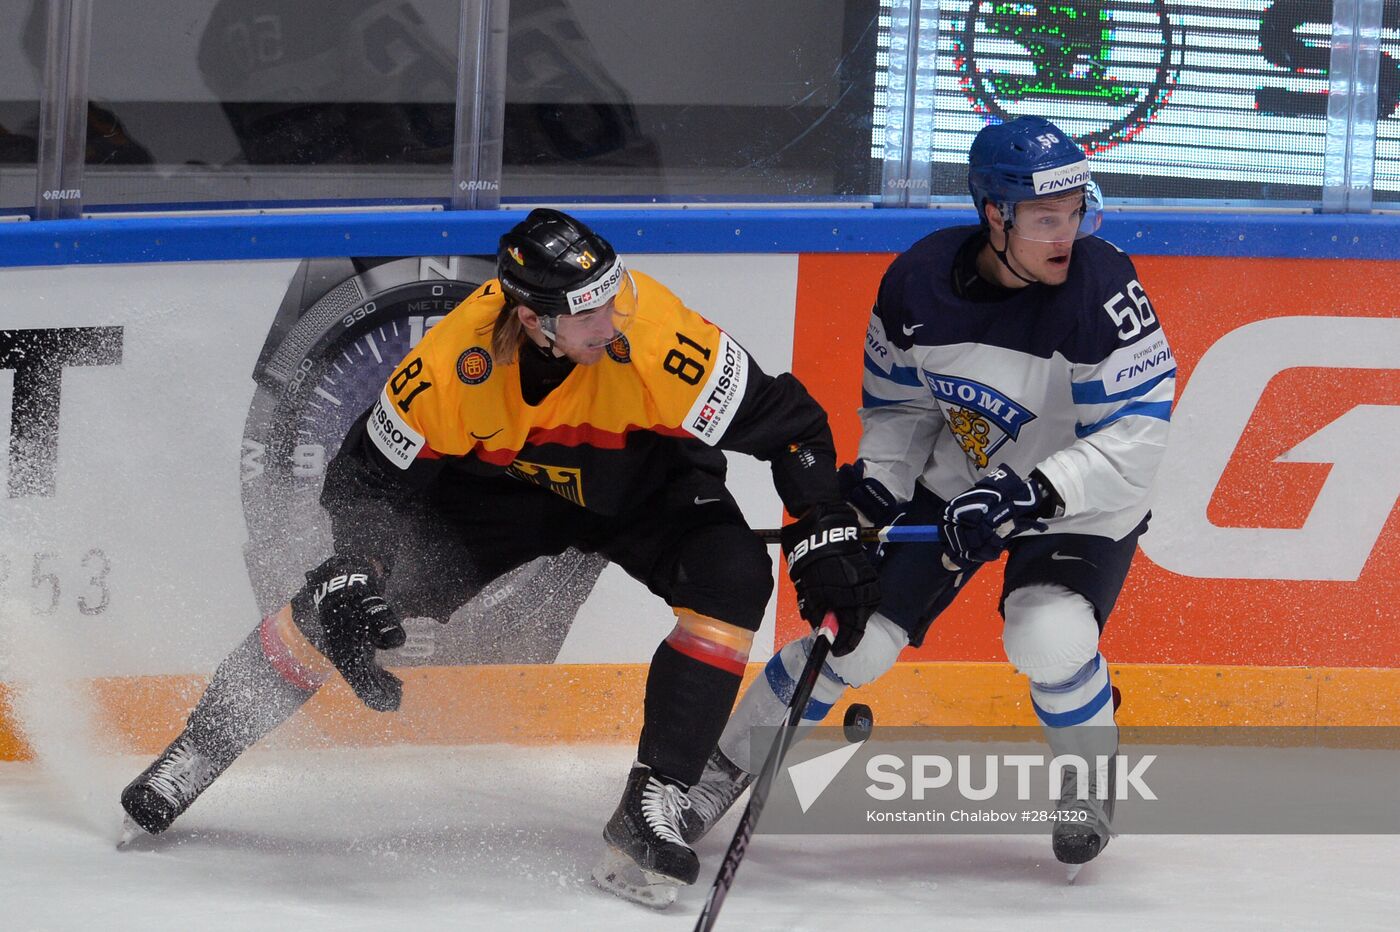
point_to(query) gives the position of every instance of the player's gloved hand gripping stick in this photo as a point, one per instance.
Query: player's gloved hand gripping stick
(978, 522)
(831, 571)
(894, 534)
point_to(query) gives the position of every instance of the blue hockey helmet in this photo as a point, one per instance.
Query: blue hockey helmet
(1027, 159)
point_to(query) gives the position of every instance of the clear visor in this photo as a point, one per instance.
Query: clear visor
(1057, 219)
(600, 325)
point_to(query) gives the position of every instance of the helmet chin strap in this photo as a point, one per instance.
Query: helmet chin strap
(1001, 254)
(550, 346)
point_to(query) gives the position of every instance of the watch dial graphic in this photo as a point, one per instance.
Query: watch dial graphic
(343, 325)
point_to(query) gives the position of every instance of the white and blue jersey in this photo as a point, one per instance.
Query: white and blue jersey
(1075, 380)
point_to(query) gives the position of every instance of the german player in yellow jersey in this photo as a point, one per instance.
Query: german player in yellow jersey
(568, 402)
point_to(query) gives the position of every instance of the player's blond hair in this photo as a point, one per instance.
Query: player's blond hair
(507, 334)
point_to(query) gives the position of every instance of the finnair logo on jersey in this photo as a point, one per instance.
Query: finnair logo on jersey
(877, 348)
(1142, 364)
(1064, 178)
(1146, 364)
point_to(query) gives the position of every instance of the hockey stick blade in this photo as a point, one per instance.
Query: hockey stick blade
(724, 879)
(894, 534)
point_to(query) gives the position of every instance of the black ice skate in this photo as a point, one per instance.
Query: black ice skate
(1084, 823)
(647, 859)
(166, 789)
(720, 785)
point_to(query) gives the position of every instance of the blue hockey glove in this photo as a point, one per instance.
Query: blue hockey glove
(977, 522)
(872, 502)
(868, 496)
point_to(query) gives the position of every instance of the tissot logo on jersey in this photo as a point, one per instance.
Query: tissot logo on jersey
(718, 401)
(391, 434)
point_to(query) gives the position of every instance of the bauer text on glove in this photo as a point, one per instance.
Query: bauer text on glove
(357, 621)
(831, 572)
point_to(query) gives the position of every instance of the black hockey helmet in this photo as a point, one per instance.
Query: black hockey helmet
(555, 265)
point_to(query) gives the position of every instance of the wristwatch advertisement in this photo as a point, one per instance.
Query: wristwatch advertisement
(341, 328)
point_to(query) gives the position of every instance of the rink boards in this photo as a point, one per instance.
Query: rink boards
(146, 512)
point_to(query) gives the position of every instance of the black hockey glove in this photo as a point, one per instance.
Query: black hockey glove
(977, 522)
(875, 505)
(831, 572)
(356, 621)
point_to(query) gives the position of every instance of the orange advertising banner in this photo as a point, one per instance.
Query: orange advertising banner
(1276, 538)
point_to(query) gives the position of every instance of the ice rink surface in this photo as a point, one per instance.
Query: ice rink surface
(495, 837)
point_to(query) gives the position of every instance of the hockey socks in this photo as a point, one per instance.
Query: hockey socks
(251, 693)
(1078, 719)
(691, 686)
(766, 701)
(1084, 699)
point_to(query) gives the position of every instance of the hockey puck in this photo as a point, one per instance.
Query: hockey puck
(860, 721)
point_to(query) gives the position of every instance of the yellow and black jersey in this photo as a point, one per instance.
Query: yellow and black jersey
(672, 391)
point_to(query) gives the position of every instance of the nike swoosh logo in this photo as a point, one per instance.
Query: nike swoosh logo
(1067, 556)
(488, 436)
(487, 291)
(706, 501)
(908, 330)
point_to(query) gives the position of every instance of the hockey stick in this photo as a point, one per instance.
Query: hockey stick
(826, 634)
(894, 534)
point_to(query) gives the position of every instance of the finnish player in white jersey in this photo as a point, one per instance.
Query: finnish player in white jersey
(1017, 392)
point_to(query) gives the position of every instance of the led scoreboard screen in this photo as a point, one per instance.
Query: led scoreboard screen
(1172, 98)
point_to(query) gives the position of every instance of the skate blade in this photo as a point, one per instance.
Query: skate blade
(619, 875)
(131, 834)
